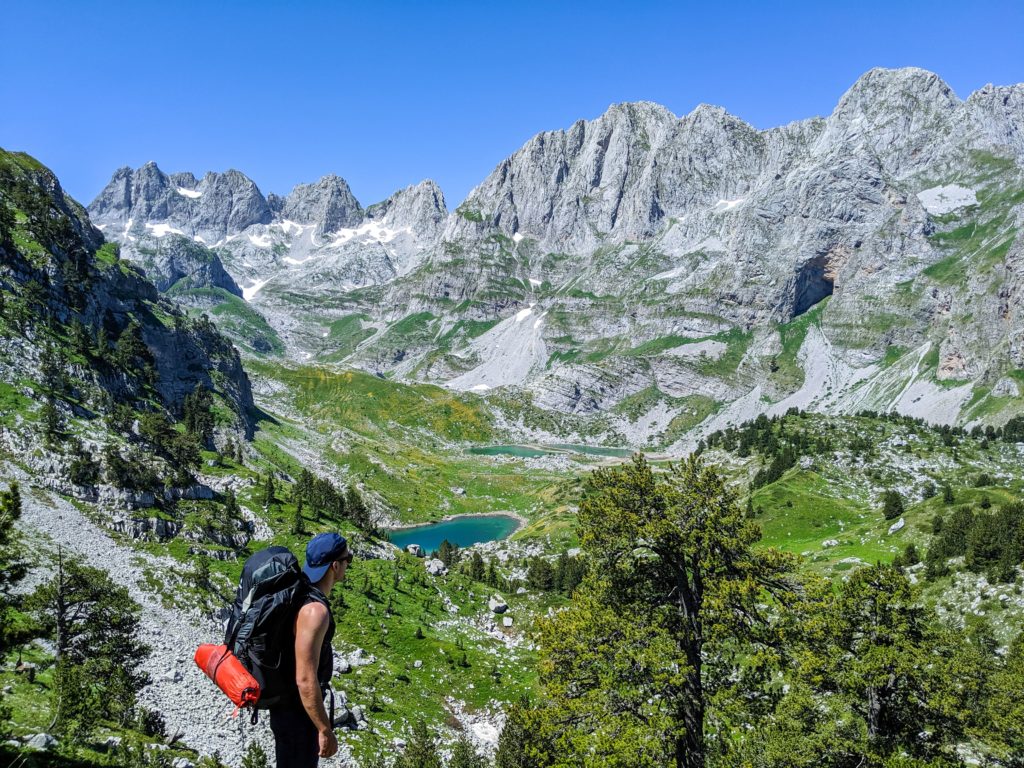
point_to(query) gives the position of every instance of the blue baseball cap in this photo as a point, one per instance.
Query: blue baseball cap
(322, 550)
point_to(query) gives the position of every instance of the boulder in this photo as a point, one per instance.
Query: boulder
(896, 526)
(42, 741)
(506, 621)
(497, 604)
(436, 567)
(414, 549)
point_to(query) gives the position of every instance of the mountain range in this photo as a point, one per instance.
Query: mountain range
(670, 274)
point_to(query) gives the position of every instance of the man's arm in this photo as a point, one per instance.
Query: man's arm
(310, 628)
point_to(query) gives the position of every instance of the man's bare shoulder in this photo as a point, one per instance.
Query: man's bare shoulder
(313, 615)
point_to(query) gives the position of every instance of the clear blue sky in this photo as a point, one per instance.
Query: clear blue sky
(388, 93)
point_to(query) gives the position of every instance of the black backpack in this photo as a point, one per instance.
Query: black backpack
(259, 630)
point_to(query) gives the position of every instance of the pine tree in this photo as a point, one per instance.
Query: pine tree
(522, 743)
(197, 415)
(12, 565)
(269, 491)
(675, 592)
(464, 756)
(892, 505)
(355, 507)
(477, 569)
(94, 626)
(255, 757)
(421, 751)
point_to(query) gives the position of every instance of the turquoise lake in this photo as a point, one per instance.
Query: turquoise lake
(530, 452)
(462, 531)
(522, 451)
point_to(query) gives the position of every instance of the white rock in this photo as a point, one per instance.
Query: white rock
(497, 604)
(42, 741)
(436, 567)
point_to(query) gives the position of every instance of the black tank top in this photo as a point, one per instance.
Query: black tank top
(325, 668)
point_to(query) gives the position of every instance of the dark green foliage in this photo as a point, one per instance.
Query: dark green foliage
(421, 751)
(320, 496)
(356, 508)
(982, 480)
(477, 569)
(133, 473)
(448, 554)
(860, 694)
(892, 505)
(83, 469)
(464, 756)
(12, 564)
(540, 575)
(231, 508)
(180, 449)
(197, 415)
(989, 542)
(93, 625)
(908, 557)
(674, 593)
(947, 494)
(255, 757)
(269, 490)
(1013, 430)
(53, 422)
(521, 743)
(569, 572)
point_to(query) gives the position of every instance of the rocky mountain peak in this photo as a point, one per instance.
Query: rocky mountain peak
(419, 207)
(220, 205)
(327, 203)
(889, 113)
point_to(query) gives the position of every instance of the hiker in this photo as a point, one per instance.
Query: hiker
(303, 732)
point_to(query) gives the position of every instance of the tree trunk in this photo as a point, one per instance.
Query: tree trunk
(690, 746)
(60, 608)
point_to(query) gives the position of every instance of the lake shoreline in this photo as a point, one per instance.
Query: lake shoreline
(464, 531)
(523, 522)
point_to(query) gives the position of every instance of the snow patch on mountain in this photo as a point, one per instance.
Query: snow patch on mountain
(946, 199)
(728, 205)
(192, 193)
(249, 293)
(371, 230)
(160, 230)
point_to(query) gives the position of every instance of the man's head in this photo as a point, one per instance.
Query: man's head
(327, 552)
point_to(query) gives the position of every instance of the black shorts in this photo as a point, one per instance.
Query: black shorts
(296, 741)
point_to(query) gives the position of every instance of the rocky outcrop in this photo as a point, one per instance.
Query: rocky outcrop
(177, 264)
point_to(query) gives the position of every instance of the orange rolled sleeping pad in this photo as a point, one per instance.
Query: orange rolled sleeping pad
(224, 668)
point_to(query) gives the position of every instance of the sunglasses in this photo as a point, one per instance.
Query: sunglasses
(347, 558)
